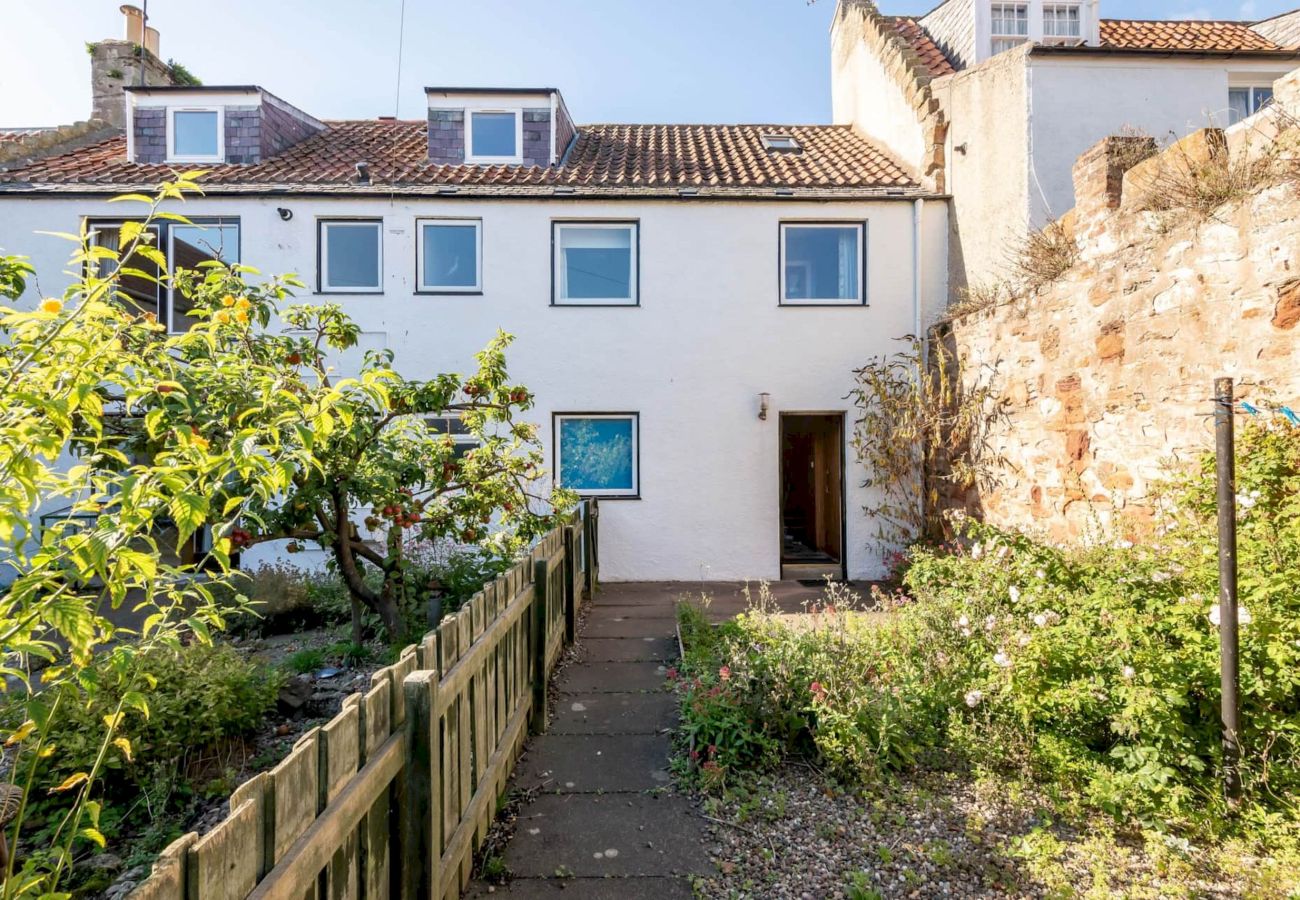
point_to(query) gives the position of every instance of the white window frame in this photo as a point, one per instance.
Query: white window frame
(634, 260)
(517, 112)
(606, 493)
(860, 300)
(1012, 40)
(1054, 5)
(323, 285)
(1250, 89)
(170, 290)
(462, 440)
(420, 285)
(173, 156)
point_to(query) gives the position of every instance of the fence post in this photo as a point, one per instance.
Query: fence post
(1226, 478)
(570, 600)
(540, 577)
(421, 809)
(589, 548)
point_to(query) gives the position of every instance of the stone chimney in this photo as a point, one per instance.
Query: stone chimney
(117, 63)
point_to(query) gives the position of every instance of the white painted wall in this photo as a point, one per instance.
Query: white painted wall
(1076, 101)
(866, 96)
(692, 359)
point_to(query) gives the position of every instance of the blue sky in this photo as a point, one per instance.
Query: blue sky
(615, 60)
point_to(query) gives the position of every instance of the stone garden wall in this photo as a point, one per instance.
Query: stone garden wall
(1107, 371)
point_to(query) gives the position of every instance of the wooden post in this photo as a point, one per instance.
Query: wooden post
(570, 600)
(421, 812)
(1225, 471)
(589, 549)
(538, 719)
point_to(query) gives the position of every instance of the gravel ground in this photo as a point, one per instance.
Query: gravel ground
(795, 835)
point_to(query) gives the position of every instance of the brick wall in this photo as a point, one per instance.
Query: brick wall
(113, 66)
(150, 135)
(1107, 372)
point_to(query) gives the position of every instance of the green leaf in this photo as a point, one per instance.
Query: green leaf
(189, 511)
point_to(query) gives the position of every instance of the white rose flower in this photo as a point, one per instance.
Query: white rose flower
(973, 698)
(963, 622)
(1015, 593)
(1040, 574)
(1040, 620)
(990, 623)
(976, 551)
(1001, 660)
(1129, 672)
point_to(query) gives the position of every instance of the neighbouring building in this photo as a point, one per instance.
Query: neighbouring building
(991, 101)
(689, 301)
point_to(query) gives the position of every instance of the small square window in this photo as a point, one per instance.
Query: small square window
(822, 263)
(597, 454)
(450, 254)
(351, 256)
(1061, 20)
(782, 142)
(1244, 102)
(454, 430)
(595, 263)
(195, 135)
(494, 136)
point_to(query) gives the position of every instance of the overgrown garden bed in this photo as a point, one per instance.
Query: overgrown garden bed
(1079, 687)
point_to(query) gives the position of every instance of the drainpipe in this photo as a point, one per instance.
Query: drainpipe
(918, 214)
(554, 108)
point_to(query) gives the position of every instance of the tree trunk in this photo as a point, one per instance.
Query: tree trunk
(356, 621)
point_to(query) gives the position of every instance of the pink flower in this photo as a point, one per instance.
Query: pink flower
(672, 674)
(725, 673)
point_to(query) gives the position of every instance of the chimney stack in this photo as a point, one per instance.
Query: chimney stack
(116, 63)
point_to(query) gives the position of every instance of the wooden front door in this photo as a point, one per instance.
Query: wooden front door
(812, 495)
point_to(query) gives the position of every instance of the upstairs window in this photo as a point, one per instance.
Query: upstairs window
(195, 135)
(144, 287)
(351, 256)
(449, 255)
(1010, 25)
(1244, 102)
(1062, 23)
(455, 431)
(821, 264)
(495, 136)
(595, 264)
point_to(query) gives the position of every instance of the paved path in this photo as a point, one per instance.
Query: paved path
(602, 821)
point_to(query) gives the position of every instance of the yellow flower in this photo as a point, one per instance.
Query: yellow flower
(201, 442)
(227, 300)
(51, 305)
(241, 317)
(242, 303)
(222, 317)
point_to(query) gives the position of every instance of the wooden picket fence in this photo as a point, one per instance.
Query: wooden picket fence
(392, 798)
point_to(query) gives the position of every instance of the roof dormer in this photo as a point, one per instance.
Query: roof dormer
(497, 126)
(197, 126)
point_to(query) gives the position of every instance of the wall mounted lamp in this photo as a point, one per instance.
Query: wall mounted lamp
(764, 401)
(285, 214)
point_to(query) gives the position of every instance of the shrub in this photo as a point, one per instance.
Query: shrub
(199, 698)
(1095, 669)
(1045, 255)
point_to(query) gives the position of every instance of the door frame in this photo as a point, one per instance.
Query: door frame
(842, 415)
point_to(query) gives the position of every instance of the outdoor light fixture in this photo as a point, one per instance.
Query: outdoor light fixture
(285, 214)
(764, 401)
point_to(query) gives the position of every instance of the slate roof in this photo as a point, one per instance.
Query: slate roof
(1134, 34)
(915, 34)
(604, 159)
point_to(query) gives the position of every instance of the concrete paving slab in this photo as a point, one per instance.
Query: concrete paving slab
(642, 649)
(577, 763)
(614, 676)
(634, 611)
(596, 835)
(620, 888)
(627, 627)
(634, 713)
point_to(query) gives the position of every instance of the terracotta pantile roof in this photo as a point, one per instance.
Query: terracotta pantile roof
(604, 159)
(1131, 34)
(915, 34)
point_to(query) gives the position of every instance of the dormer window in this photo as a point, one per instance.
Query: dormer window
(1010, 25)
(195, 134)
(495, 136)
(1062, 23)
(781, 142)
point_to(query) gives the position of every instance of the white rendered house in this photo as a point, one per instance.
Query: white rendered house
(992, 101)
(689, 301)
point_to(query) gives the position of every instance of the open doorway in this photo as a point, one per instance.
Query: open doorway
(812, 495)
